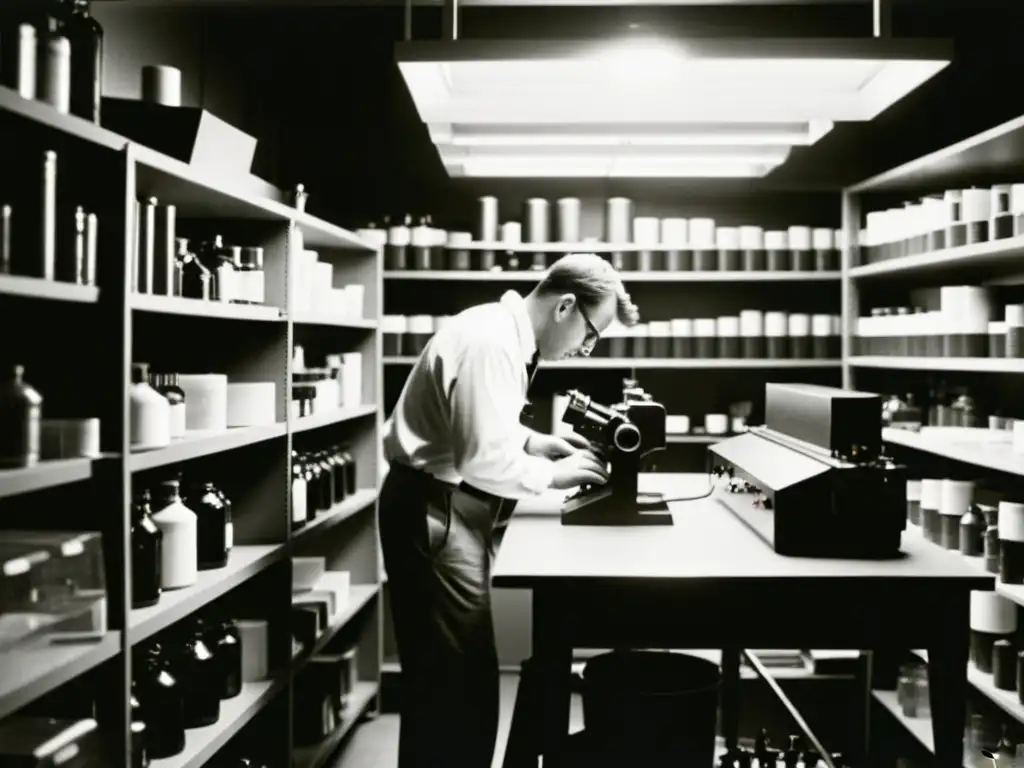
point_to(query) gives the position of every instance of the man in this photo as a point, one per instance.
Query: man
(457, 452)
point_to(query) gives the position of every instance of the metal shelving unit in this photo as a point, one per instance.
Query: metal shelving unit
(251, 343)
(992, 157)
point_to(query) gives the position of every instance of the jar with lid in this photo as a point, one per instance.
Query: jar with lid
(229, 261)
(195, 666)
(137, 729)
(179, 564)
(196, 279)
(214, 528)
(161, 702)
(338, 489)
(149, 413)
(21, 409)
(327, 499)
(147, 556)
(167, 384)
(226, 644)
(300, 513)
(250, 278)
(313, 479)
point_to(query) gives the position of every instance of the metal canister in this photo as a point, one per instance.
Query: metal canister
(536, 215)
(487, 229)
(618, 224)
(567, 222)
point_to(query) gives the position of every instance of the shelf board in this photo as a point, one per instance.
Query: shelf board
(37, 288)
(339, 513)
(668, 362)
(695, 439)
(44, 114)
(200, 193)
(30, 672)
(317, 233)
(332, 320)
(318, 755)
(204, 444)
(358, 597)
(318, 420)
(994, 455)
(45, 474)
(981, 364)
(995, 153)
(921, 727)
(994, 253)
(244, 563)
(628, 276)
(176, 305)
(201, 744)
(1005, 700)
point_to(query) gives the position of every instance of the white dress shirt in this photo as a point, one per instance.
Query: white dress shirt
(458, 415)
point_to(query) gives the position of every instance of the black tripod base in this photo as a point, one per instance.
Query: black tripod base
(602, 507)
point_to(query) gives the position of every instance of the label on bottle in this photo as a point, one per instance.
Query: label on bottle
(299, 501)
(227, 283)
(177, 420)
(229, 535)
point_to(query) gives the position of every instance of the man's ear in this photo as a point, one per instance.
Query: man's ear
(566, 304)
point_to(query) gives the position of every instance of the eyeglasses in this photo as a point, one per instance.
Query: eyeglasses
(593, 335)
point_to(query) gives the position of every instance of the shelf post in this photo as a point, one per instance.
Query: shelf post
(881, 18)
(450, 20)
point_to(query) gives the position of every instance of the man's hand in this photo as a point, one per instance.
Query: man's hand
(579, 468)
(555, 448)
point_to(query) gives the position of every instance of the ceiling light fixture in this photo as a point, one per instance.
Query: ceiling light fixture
(528, 166)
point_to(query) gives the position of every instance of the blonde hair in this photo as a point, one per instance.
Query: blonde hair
(591, 279)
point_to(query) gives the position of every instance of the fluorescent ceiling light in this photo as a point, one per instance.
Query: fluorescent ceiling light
(631, 135)
(649, 155)
(661, 83)
(533, 166)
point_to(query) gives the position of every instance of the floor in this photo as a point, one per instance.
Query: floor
(374, 744)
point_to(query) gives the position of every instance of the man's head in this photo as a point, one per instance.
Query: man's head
(575, 302)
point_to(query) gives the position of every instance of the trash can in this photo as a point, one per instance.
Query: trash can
(657, 706)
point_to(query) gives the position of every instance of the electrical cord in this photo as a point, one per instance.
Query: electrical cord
(658, 502)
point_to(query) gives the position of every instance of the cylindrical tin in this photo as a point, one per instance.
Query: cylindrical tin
(618, 230)
(776, 246)
(536, 215)
(161, 85)
(487, 229)
(567, 220)
(55, 74)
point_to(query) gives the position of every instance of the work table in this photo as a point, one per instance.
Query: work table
(708, 581)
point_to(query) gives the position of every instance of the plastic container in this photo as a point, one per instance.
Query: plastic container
(663, 705)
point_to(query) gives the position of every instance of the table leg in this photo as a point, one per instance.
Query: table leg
(947, 678)
(730, 697)
(552, 669)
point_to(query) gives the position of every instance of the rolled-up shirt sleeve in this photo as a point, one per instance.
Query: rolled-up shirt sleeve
(489, 440)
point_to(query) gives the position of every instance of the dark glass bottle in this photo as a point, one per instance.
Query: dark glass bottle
(137, 725)
(147, 546)
(326, 482)
(337, 462)
(213, 525)
(226, 643)
(196, 667)
(162, 704)
(196, 279)
(86, 37)
(350, 471)
(312, 467)
(20, 417)
(299, 496)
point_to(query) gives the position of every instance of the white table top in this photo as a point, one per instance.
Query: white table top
(705, 542)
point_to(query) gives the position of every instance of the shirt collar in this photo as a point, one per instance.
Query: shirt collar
(517, 306)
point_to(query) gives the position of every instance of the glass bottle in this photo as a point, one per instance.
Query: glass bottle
(147, 545)
(137, 729)
(195, 666)
(251, 279)
(167, 385)
(179, 564)
(162, 704)
(326, 481)
(196, 279)
(312, 469)
(213, 525)
(300, 514)
(226, 644)
(21, 409)
(337, 462)
(150, 412)
(350, 471)
(229, 533)
(86, 37)
(972, 533)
